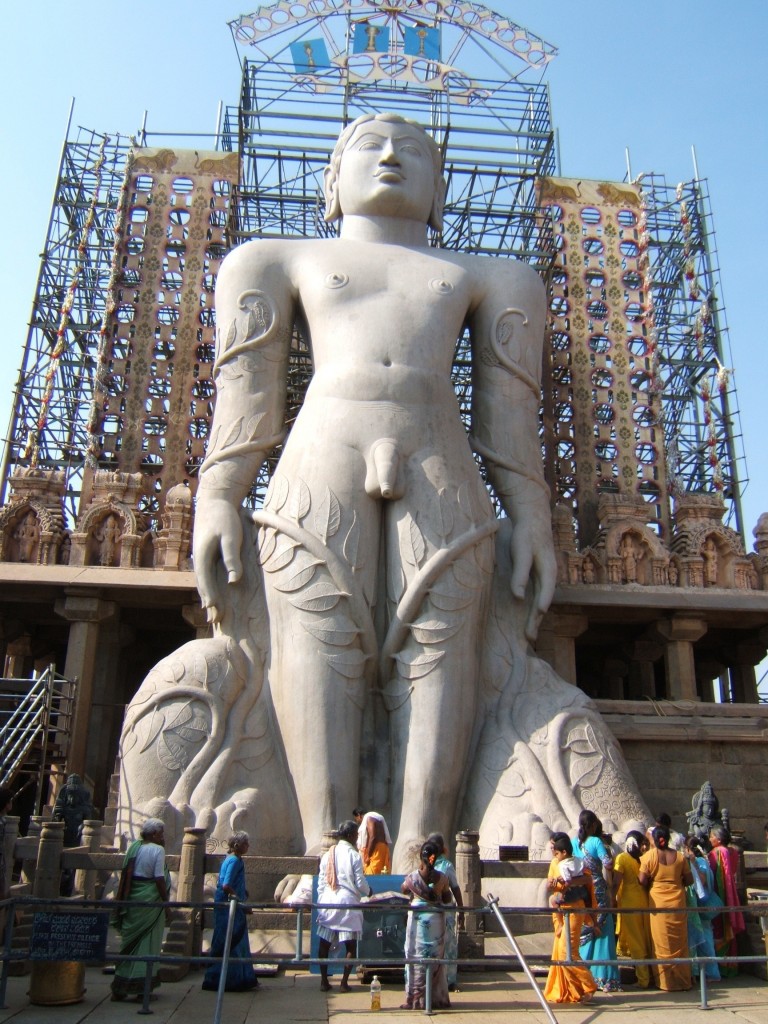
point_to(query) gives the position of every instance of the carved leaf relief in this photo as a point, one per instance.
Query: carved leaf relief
(328, 516)
(467, 574)
(233, 434)
(320, 598)
(277, 493)
(299, 578)
(156, 725)
(285, 549)
(433, 631)
(267, 542)
(300, 501)
(352, 544)
(339, 631)
(411, 541)
(416, 665)
(349, 664)
(444, 515)
(449, 599)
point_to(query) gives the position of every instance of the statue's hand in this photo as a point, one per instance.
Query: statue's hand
(218, 534)
(533, 558)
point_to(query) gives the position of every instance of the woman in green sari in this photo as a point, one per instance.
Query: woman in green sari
(145, 884)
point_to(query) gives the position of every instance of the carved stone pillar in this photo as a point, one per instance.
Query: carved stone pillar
(85, 881)
(642, 677)
(557, 641)
(468, 872)
(18, 655)
(743, 680)
(680, 633)
(85, 612)
(185, 936)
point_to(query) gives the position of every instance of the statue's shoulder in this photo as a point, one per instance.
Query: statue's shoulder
(499, 270)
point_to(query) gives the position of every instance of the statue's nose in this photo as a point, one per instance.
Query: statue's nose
(389, 154)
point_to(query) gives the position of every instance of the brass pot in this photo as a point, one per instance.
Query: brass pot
(56, 982)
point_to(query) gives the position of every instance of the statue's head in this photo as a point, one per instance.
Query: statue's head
(389, 137)
(74, 780)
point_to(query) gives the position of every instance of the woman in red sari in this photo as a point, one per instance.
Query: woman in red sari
(724, 861)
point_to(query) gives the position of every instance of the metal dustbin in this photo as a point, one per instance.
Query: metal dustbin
(56, 983)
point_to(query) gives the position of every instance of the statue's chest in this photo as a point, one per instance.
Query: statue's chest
(392, 285)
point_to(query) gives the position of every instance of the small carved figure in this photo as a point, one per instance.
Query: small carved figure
(107, 535)
(709, 554)
(705, 811)
(73, 805)
(672, 574)
(629, 559)
(27, 536)
(589, 571)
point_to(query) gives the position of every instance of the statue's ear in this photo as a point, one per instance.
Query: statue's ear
(438, 204)
(331, 192)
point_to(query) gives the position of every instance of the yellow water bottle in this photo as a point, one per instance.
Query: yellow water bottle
(375, 993)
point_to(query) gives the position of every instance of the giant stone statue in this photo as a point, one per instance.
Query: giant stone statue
(372, 623)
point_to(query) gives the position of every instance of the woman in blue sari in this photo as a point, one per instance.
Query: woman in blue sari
(598, 941)
(425, 932)
(241, 977)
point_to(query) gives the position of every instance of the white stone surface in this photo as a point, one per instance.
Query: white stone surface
(371, 637)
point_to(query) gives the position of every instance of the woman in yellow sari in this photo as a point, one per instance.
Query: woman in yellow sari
(633, 930)
(573, 984)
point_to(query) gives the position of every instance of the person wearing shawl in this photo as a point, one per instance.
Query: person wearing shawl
(145, 886)
(425, 932)
(241, 977)
(701, 894)
(341, 882)
(445, 867)
(724, 862)
(375, 851)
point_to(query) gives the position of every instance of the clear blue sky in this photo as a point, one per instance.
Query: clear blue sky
(656, 77)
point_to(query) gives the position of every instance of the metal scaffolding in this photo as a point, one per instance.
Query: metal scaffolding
(55, 386)
(700, 415)
(497, 139)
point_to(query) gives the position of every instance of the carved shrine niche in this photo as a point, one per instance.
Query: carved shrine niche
(601, 384)
(112, 532)
(174, 541)
(32, 523)
(709, 553)
(156, 412)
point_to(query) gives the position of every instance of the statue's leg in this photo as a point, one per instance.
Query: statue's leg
(318, 539)
(439, 566)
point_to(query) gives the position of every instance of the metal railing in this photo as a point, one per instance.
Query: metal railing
(32, 711)
(300, 959)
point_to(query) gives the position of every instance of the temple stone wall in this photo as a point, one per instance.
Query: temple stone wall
(672, 751)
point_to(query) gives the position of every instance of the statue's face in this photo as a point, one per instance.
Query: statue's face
(386, 170)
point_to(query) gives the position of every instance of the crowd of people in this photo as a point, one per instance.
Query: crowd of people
(662, 897)
(669, 892)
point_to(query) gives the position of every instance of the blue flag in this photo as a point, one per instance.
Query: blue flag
(421, 41)
(310, 55)
(370, 38)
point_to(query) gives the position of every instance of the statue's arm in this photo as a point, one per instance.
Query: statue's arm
(254, 320)
(507, 331)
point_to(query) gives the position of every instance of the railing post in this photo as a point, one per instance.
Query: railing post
(185, 935)
(48, 867)
(85, 878)
(468, 871)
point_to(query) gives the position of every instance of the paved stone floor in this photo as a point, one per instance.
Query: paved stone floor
(295, 996)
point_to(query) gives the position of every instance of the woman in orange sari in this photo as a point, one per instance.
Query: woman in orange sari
(665, 873)
(573, 984)
(375, 852)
